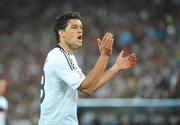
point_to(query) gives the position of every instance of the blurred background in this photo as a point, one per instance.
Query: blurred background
(150, 28)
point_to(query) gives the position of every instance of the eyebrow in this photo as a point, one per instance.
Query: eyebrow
(77, 25)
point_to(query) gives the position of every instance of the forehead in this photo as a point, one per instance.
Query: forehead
(74, 22)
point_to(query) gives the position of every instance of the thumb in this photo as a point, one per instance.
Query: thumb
(121, 53)
(99, 41)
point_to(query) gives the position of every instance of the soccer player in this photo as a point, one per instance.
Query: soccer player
(62, 76)
(3, 102)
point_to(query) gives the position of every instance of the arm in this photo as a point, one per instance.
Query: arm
(98, 76)
(122, 63)
(91, 80)
(105, 46)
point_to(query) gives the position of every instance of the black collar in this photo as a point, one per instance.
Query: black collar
(58, 46)
(62, 49)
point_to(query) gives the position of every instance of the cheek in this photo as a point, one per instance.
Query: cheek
(71, 36)
(69, 39)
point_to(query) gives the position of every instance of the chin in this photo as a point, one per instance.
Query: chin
(77, 46)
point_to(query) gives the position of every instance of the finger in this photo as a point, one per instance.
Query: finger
(105, 36)
(108, 41)
(110, 45)
(132, 60)
(132, 57)
(99, 43)
(105, 39)
(121, 53)
(112, 41)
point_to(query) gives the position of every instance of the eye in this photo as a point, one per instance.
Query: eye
(74, 26)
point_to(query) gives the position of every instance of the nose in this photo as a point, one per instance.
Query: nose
(80, 30)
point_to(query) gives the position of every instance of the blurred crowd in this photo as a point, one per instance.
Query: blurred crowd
(150, 28)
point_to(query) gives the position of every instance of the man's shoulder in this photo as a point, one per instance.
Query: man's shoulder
(55, 52)
(3, 102)
(56, 57)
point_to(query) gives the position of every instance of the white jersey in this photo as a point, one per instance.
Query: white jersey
(3, 110)
(59, 84)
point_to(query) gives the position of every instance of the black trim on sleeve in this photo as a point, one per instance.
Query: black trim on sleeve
(2, 110)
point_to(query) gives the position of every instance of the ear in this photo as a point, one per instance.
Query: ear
(61, 33)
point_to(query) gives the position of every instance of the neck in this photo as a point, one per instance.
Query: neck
(67, 48)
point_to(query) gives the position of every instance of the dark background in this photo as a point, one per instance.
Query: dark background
(150, 28)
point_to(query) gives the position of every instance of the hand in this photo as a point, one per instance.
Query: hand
(127, 62)
(105, 45)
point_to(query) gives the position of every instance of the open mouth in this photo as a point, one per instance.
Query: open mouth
(80, 37)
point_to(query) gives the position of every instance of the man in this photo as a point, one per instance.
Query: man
(62, 77)
(3, 102)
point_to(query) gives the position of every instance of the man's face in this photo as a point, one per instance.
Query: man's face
(73, 33)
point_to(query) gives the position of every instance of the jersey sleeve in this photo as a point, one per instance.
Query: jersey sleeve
(3, 103)
(63, 71)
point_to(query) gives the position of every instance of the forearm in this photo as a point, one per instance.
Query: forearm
(93, 78)
(107, 75)
(87, 86)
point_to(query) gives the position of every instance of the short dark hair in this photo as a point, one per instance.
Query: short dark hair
(61, 21)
